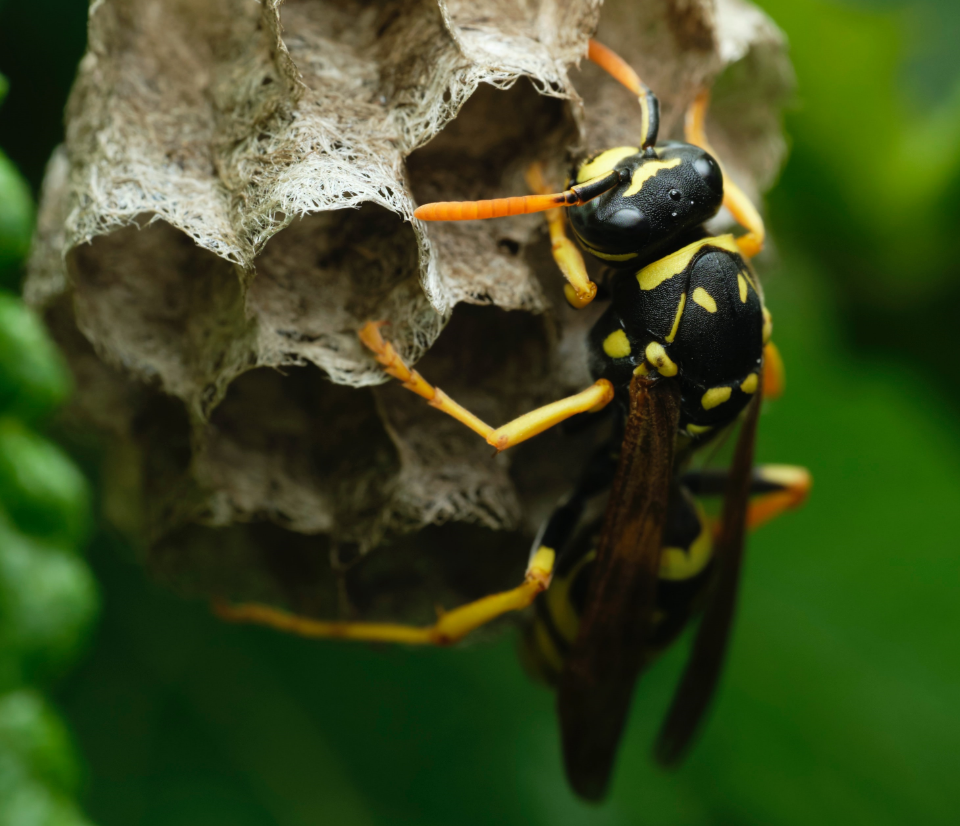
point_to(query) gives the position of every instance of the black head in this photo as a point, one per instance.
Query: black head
(663, 197)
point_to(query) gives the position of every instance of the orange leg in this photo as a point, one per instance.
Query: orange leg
(774, 376)
(775, 489)
(734, 199)
(449, 628)
(594, 398)
(793, 487)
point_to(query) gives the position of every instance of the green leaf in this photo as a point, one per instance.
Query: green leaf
(40, 487)
(32, 732)
(48, 601)
(33, 378)
(16, 220)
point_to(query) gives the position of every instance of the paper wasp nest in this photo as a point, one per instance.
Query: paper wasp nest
(234, 200)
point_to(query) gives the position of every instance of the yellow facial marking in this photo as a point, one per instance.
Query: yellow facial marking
(715, 396)
(676, 319)
(699, 429)
(653, 275)
(645, 172)
(704, 299)
(658, 357)
(608, 256)
(749, 384)
(604, 162)
(616, 345)
(767, 325)
(742, 284)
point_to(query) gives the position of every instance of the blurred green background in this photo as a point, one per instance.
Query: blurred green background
(841, 701)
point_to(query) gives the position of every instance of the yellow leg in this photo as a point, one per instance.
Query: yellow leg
(594, 398)
(734, 199)
(579, 289)
(448, 629)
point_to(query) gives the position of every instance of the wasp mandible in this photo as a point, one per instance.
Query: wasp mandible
(683, 352)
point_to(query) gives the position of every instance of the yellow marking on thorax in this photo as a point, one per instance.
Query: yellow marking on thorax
(767, 325)
(699, 429)
(749, 384)
(645, 172)
(715, 396)
(705, 300)
(679, 564)
(657, 356)
(676, 319)
(653, 275)
(617, 345)
(742, 284)
(604, 162)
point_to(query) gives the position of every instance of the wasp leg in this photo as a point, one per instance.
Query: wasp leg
(594, 398)
(778, 488)
(774, 489)
(734, 198)
(552, 630)
(774, 376)
(579, 290)
(449, 628)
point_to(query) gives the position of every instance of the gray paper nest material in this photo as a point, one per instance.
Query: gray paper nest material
(235, 199)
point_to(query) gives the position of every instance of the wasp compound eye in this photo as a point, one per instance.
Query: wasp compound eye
(708, 169)
(631, 222)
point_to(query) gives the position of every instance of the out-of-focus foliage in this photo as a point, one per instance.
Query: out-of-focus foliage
(16, 212)
(47, 593)
(839, 703)
(872, 188)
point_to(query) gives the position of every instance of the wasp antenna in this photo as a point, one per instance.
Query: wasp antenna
(495, 208)
(622, 72)
(523, 205)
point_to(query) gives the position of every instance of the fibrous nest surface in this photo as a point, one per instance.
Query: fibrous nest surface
(235, 199)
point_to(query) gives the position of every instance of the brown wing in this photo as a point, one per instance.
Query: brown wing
(702, 673)
(599, 674)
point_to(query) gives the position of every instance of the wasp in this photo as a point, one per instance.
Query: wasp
(682, 353)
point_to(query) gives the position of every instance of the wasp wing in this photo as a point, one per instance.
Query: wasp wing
(702, 673)
(610, 650)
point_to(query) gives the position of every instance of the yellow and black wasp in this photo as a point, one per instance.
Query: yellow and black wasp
(682, 353)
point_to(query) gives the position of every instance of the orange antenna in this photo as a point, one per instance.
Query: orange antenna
(621, 71)
(523, 205)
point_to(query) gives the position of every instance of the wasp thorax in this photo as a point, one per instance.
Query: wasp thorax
(664, 196)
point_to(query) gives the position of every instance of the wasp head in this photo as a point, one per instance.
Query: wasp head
(664, 194)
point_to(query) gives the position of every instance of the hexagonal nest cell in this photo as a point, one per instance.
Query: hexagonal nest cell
(235, 199)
